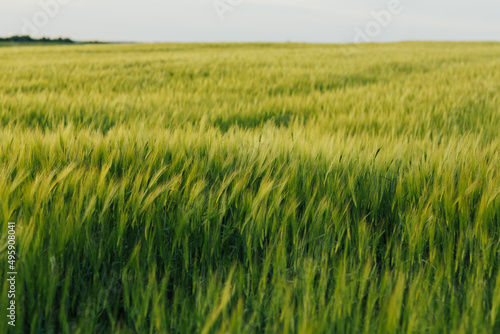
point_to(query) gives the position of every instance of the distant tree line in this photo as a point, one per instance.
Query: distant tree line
(29, 39)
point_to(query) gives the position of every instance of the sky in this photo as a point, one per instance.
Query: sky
(314, 21)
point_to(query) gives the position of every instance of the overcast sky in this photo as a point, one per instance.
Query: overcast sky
(333, 21)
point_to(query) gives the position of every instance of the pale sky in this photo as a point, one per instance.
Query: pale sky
(333, 21)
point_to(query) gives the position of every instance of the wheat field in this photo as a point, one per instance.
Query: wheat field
(250, 188)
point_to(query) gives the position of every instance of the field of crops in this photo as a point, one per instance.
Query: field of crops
(249, 188)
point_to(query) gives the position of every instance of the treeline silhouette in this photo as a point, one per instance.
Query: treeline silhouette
(29, 39)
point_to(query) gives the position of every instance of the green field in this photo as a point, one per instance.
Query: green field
(249, 188)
